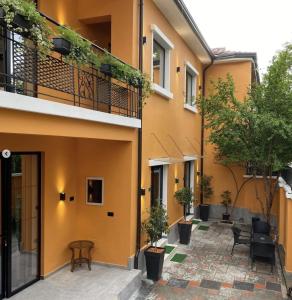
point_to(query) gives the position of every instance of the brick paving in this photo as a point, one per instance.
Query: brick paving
(210, 272)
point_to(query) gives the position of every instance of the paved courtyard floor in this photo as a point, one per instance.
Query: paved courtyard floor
(208, 271)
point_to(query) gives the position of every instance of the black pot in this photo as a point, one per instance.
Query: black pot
(225, 217)
(135, 83)
(185, 231)
(106, 69)
(21, 21)
(204, 212)
(61, 45)
(2, 14)
(154, 263)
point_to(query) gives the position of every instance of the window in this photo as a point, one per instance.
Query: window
(94, 191)
(191, 87)
(160, 66)
(189, 180)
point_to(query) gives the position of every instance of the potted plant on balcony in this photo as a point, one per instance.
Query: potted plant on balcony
(226, 202)
(154, 227)
(23, 17)
(184, 197)
(75, 48)
(207, 193)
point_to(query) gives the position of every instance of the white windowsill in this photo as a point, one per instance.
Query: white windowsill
(191, 108)
(258, 176)
(162, 91)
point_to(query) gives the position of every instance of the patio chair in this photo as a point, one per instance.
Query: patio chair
(265, 251)
(239, 238)
(261, 227)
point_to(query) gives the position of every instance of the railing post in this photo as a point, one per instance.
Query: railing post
(7, 59)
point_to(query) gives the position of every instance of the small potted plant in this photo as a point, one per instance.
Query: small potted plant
(154, 227)
(110, 65)
(75, 48)
(226, 202)
(184, 197)
(207, 192)
(23, 17)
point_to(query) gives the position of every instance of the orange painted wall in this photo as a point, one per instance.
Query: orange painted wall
(66, 162)
(169, 130)
(222, 178)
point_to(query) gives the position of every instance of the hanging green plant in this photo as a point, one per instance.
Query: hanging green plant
(23, 17)
(81, 51)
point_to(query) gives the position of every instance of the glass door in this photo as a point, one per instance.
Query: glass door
(21, 221)
(156, 185)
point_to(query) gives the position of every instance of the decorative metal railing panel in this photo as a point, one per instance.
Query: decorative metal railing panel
(24, 71)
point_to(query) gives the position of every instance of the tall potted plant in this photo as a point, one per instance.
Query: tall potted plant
(184, 197)
(154, 227)
(207, 192)
(226, 202)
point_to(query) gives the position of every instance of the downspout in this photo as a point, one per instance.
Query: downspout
(202, 126)
(139, 167)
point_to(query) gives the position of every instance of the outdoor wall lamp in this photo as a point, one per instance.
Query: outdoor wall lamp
(177, 69)
(62, 196)
(176, 180)
(142, 192)
(144, 40)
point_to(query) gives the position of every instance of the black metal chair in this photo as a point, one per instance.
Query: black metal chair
(264, 251)
(239, 238)
(261, 227)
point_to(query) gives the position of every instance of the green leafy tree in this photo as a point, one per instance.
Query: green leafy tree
(184, 197)
(226, 200)
(156, 224)
(206, 187)
(258, 130)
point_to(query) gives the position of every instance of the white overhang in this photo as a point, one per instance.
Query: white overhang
(185, 28)
(36, 105)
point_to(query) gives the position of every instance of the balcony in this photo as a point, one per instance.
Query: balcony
(23, 71)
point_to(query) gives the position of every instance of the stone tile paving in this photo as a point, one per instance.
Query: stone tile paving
(210, 272)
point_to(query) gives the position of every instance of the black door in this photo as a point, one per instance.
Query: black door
(20, 221)
(156, 185)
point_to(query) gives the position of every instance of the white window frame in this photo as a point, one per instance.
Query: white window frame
(192, 160)
(102, 190)
(164, 42)
(193, 71)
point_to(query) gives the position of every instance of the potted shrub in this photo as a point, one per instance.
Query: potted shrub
(226, 202)
(207, 192)
(184, 197)
(75, 48)
(23, 17)
(154, 227)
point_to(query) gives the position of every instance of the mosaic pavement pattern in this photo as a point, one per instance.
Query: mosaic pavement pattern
(210, 272)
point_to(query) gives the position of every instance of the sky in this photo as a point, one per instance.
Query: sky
(261, 26)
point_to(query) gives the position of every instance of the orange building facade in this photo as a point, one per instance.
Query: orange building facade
(84, 159)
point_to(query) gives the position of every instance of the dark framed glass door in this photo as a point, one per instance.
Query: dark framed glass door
(156, 185)
(20, 222)
(187, 181)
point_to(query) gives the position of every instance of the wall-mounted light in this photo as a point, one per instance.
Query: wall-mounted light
(142, 192)
(177, 69)
(144, 40)
(71, 198)
(62, 196)
(176, 180)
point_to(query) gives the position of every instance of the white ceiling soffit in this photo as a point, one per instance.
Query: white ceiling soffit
(171, 12)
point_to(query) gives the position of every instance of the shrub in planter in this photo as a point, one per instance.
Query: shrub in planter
(154, 227)
(61, 45)
(226, 202)
(23, 17)
(207, 192)
(184, 197)
(81, 51)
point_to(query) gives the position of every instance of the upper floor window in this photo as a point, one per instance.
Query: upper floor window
(191, 75)
(158, 64)
(161, 61)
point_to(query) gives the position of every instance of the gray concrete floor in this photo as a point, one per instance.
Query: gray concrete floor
(106, 283)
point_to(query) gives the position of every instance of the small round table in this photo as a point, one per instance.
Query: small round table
(81, 253)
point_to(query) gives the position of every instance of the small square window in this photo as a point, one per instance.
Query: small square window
(94, 191)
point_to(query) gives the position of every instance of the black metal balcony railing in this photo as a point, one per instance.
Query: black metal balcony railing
(23, 71)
